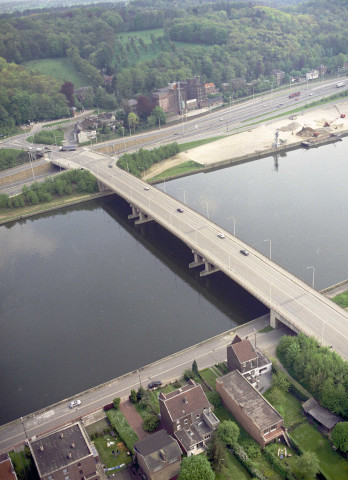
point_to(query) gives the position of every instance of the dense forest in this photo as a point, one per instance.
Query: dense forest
(217, 41)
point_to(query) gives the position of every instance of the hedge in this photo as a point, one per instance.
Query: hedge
(120, 424)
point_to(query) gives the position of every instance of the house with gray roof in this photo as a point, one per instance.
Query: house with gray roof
(65, 454)
(158, 456)
(256, 415)
(241, 355)
(187, 414)
(321, 415)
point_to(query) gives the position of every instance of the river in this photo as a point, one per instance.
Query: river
(87, 296)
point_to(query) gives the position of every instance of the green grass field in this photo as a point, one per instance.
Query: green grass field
(60, 68)
(342, 299)
(210, 375)
(310, 439)
(291, 409)
(233, 469)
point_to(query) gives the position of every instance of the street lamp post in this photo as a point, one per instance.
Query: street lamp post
(312, 274)
(124, 143)
(255, 336)
(184, 194)
(270, 247)
(234, 225)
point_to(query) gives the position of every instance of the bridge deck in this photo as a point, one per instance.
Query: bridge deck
(300, 305)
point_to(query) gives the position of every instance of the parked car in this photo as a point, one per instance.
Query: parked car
(244, 252)
(74, 403)
(155, 383)
(110, 165)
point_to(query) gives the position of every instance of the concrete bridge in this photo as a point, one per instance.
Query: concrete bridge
(290, 300)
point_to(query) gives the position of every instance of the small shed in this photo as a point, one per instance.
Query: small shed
(321, 415)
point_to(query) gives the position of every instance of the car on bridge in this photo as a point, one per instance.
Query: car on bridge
(146, 188)
(244, 252)
(221, 235)
(180, 210)
(74, 403)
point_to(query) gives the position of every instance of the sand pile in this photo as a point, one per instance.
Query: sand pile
(306, 132)
(291, 127)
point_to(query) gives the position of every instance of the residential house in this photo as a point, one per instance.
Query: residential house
(322, 69)
(262, 421)
(313, 74)
(279, 75)
(158, 456)
(321, 415)
(187, 414)
(7, 471)
(249, 360)
(65, 454)
(209, 88)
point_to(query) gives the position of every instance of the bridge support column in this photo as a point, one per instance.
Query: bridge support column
(143, 218)
(197, 260)
(134, 214)
(208, 269)
(274, 321)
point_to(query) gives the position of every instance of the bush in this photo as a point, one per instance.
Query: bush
(133, 397)
(116, 402)
(122, 427)
(189, 374)
(214, 398)
(150, 423)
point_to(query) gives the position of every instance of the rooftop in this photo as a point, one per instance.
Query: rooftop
(253, 404)
(158, 449)
(321, 414)
(59, 449)
(185, 400)
(244, 351)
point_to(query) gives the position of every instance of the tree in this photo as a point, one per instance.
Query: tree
(133, 396)
(339, 436)
(150, 423)
(228, 432)
(188, 374)
(195, 368)
(132, 120)
(214, 398)
(307, 465)
(197, 468)
(280, 381)
(116, 402)
(159, 115)
(216, 453)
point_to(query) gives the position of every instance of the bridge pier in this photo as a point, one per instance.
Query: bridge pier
(208, 269)
(141, 216)
(197, 260)
(276, 321)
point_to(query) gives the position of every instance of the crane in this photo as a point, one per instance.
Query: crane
(342, 115)
(327, 124)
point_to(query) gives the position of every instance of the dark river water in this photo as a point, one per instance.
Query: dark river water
(86, 296)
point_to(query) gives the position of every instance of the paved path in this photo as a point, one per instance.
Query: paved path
(133, 418)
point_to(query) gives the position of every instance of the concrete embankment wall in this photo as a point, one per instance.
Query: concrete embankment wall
(335, 289)
(27, 173)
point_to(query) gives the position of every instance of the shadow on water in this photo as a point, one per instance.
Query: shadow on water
(228, 296)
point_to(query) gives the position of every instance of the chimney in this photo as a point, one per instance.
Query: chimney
(69, 455)
(185, 399)
(73, 445)
(41, 448)
(61, 435)
(163, 455)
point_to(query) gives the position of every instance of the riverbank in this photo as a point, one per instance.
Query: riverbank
(260, 141)
(12, 215)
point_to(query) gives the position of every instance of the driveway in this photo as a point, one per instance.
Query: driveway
(133, 418)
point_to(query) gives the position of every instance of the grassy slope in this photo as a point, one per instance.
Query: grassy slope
(59, 68)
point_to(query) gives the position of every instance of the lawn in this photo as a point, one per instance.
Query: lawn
(59, 68)
(291, 409)
(233, 469)
(309, 438)
(107, 444)
(341, 299)
(210, 376)
(179, 169)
